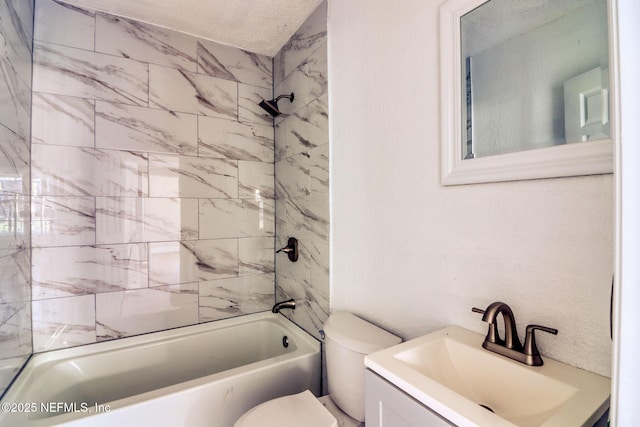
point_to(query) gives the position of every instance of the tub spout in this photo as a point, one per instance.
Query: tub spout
(290, 303)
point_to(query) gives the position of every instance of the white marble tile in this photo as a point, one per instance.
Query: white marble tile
(256, 255)
(23, 13)
(299, 271)
(281, 222)
(16, 27)
(7, 310)
(308, 217)
(177, 90)
(75, 171)
(15, 101)
(180, 176)
(221, 218)
(229, 139)
(311, 308)
(119, 219)
(308, 81)
(236, 296)
(297, 82)
(127, 38)
(25, 334)
(15, 334)
(61, 23)
(304, 130)
(249, 110)
(129, 219)
(292, 177)
(303, 174)
(15, 268)
(63, 322)
(280, 145)
(14, 221)
(192, 261)
(9, 339)
(63, 221)
(306, 40)
(170, 219)
(10, 367)
(256, 180)
(312, 267)
(319, 169)
(317, 72)
(126, 127)
(121, 314)
(64, 70)
(81, 270)
(15, 157)
(62, 120)
(319, 270)
(231, 63)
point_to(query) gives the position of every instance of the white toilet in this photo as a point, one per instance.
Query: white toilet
(348, 339)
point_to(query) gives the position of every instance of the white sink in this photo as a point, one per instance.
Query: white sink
(452, 374)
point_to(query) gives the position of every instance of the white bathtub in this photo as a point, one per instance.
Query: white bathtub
(202, 375)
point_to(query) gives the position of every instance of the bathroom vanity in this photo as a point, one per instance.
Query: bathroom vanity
(446, 378)
(388, 406)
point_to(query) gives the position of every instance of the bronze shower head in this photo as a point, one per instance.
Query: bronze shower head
(271, 107)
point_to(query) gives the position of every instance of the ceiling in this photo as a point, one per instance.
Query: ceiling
(261, 26)
(497, 21)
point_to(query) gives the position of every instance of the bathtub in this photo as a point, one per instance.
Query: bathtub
(202, 375)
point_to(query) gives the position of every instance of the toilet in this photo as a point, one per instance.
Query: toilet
(348, 339)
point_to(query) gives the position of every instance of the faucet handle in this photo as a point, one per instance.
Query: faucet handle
(530, 347)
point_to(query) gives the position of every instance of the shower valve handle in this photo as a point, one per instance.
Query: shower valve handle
(291, 249)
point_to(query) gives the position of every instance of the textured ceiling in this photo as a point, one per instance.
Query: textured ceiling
(261, 26)
(499, 20)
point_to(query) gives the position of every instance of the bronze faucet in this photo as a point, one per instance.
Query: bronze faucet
(510, 346)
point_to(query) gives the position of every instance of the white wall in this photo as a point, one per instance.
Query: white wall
(626, 393)
(412, 255)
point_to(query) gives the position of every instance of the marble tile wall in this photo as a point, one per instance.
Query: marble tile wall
(152, 178)
(16, 32)
(302, 172)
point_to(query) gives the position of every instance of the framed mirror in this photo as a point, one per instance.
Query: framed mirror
(526, 89)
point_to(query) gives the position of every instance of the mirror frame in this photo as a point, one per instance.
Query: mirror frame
(576, 159)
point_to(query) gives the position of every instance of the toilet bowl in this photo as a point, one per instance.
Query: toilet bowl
(348, 339)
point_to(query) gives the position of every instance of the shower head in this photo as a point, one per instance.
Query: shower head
(271, 107)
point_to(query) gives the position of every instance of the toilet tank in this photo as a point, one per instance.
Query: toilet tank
(348, 339)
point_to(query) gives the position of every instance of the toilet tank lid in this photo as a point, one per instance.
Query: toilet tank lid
(358, 335)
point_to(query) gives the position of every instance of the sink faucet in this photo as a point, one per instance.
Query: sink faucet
(511, 339)
(510, 346)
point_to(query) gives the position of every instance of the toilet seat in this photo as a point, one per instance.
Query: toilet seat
(302, 409)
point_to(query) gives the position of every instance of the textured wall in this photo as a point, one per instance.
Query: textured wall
(153, 194)
(414, 256)
(302, 172)
(16, 34)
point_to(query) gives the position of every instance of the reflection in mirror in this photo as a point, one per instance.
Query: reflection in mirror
(534, 74)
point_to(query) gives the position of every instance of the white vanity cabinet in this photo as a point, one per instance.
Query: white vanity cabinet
(388, 406)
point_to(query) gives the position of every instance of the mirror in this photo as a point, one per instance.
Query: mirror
(525, 90)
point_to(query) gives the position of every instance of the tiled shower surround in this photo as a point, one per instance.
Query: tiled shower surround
(16, 31)
(153, 201)
(149, 170)
(302, 172)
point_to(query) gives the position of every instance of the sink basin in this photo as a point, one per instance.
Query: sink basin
(452, 374)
